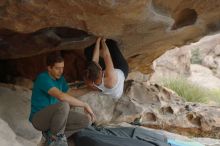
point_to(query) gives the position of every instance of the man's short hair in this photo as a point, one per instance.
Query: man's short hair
(54, 57)
(92, 71)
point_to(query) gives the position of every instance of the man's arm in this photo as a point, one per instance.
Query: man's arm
(64, 97)
(95, 56)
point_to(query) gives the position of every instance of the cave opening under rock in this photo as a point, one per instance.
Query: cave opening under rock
(23, 55)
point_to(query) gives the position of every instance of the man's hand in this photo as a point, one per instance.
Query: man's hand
(88, 110)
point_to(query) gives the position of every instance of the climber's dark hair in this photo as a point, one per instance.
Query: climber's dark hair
(92, 71)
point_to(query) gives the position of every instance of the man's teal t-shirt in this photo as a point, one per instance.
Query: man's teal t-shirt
(40, 97)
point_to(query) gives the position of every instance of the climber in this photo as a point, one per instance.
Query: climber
(106, 68)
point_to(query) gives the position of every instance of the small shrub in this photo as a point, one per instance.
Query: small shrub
(195, 57)
(191, 92)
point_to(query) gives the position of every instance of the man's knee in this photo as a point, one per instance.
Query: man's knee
(89, 120)
(64, 107)
(86, 121)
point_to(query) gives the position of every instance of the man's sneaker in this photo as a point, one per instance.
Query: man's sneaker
(48, 137)
(60, 140)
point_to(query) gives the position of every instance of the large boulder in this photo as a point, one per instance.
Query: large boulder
(207, 52)
(144, 29)
(173, 63)
(102, 105)
(15, 110)
(158, 107)
(204, 77)
(199, 62)
(7, 135)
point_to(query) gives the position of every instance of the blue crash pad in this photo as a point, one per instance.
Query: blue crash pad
(175, 142)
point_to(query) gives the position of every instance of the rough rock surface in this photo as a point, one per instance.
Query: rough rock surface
(137, 76)
(204, 77)
(173, 63)
(7, 136)
(159, 108)
(145, 29)
(199, 62)
(30, 67)
(206, 52)
(15, 109)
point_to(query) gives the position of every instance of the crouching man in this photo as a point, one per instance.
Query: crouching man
(50, 104)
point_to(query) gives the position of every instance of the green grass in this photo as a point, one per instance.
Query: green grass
(215, 96)
(189, 91)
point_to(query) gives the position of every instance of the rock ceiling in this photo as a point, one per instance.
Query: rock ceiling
(144, 29)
